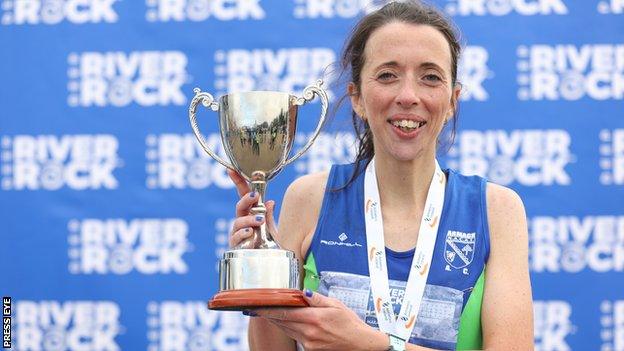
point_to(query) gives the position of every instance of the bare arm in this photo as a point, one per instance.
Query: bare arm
(507, 311)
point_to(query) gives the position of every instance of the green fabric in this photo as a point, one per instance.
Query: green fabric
(310, 275)
(470, 336)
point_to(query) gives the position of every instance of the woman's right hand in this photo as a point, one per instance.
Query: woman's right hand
(245, 222)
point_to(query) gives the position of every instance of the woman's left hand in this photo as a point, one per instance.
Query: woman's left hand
(326, 325)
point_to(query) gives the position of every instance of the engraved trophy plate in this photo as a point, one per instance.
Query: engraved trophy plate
(257, 131)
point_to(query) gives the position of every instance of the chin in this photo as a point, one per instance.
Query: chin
(406, 155)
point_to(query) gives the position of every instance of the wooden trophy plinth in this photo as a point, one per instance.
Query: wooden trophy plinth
(243, 299)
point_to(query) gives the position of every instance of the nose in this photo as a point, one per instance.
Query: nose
(408, 95)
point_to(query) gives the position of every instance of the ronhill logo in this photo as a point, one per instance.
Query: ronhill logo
(342, 241)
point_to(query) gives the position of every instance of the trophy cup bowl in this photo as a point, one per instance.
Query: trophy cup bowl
(257, 131)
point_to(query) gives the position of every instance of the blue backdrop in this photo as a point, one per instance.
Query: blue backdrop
(112, 219)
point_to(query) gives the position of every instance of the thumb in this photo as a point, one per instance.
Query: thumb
(318, 300)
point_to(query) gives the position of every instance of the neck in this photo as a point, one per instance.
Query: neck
(404, 184)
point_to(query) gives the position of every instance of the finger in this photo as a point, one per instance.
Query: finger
(245, 203)
(246, 222)
(280, 314)
(241, 184)
(295, 330)
(295, 326)
(319, 300)
(291, 314)
(239, 236)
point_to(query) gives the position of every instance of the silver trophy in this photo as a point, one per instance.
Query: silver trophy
(257, 130)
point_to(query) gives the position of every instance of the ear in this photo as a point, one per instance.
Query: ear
(356, 99)
(455, 94)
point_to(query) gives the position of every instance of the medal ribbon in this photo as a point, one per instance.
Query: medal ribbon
(402, 325)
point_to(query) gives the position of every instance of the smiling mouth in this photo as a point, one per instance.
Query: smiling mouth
(407, 125)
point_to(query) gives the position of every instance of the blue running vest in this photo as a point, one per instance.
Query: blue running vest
(336, 264)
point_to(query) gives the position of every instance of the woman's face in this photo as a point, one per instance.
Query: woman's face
(405, 93)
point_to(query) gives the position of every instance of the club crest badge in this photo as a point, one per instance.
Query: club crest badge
(459, 248)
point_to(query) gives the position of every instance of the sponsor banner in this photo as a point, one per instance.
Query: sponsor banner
(570, 72)
(190, 326)
(202, 10)
(118, 246)
(287, 70)
(571, 244)
(177, 161)
(529, 157)
(66, 325)
(51, 12)
(118, 79)
(506, 7)
(51, 162)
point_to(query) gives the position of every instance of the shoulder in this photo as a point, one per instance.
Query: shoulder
(506, 219)
(503, 203)
(307, 188)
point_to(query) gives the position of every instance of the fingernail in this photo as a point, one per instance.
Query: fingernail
(308, 292)
(249, 313)
(252, 194)
(259, 218)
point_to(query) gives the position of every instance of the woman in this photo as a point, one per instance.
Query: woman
(448, 227)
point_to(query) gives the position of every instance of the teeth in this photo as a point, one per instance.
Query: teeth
(406, 123)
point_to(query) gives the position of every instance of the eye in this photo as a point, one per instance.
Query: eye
(434, 78)
(386, 76)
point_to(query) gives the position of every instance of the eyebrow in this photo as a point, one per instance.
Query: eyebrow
(422, 65)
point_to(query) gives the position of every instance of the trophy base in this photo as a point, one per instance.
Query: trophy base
(258, 278)
(242, 269)
(243, 299)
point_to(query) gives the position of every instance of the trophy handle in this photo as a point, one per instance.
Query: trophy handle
(208, 101)
(308, 95)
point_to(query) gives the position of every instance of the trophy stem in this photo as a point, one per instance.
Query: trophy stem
(262, 237)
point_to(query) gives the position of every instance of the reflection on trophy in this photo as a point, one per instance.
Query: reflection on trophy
(257, 130)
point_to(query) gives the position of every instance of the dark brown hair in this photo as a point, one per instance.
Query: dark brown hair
(353, 58)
